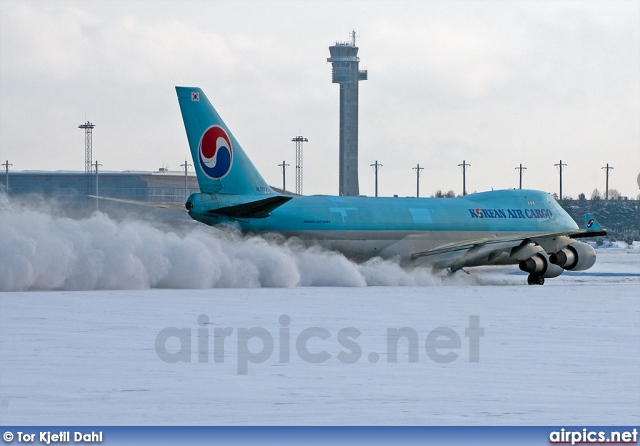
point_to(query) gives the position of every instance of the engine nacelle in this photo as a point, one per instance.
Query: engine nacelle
(577, 256)
(539, 265)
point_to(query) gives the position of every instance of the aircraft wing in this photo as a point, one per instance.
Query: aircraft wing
(175, 207)
(460, 254)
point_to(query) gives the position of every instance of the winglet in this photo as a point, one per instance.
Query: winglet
(591, 224)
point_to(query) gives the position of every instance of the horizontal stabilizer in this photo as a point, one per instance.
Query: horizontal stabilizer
(589, 233)
(591, 223)
(253, 209)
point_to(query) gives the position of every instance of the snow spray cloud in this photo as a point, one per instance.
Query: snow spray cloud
(41, 251)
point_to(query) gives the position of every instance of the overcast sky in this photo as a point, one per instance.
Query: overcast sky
(493, 83)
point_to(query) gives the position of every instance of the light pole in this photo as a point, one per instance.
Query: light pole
(560, 165)
(6, 173)
(376, 166)
(464, 166)
(521, 169)
(606, 192)
(284, 181)
(186, 188)
(418, 169)
(97, 194)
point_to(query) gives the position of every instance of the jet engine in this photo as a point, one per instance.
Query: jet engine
(577, 256)
(539, 265)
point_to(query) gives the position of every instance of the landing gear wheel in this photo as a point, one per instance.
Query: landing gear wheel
(535, 280)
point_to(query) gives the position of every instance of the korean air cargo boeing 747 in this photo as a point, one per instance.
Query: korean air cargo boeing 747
(523, 227)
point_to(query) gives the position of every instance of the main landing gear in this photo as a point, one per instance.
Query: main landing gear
(535, 280)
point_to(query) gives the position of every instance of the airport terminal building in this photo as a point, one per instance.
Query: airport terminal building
(72, 188)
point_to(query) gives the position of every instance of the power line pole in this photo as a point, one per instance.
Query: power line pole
(186, 186)
(6, 173)
(418, 169)
(464, 166)
(299, 140)
(284, 169)
(376, 166)
(606, 192)
(521, 169)
(96, 166)
(560, 165)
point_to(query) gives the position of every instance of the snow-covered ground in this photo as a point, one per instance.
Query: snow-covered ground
(307, 341)
(567, 353)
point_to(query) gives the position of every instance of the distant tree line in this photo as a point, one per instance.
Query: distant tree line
(439, 194)
(620, 217)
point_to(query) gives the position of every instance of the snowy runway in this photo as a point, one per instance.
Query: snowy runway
(567, 353)
(288, 335)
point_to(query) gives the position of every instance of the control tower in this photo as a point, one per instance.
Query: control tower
(346, 72)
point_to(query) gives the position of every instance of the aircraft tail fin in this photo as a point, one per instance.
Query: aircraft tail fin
(591, 224)
(221, 165)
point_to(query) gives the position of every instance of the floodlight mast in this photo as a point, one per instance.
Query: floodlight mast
(299, 140)
(88, 142)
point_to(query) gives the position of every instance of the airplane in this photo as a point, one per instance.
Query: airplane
(520, 227)
(524, 227)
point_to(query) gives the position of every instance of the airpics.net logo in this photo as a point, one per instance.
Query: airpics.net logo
(313, 345)
(588, 436)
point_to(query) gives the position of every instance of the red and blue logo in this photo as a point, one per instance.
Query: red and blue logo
(590, 223)
(215, 152)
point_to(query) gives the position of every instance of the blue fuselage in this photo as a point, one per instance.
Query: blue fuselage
(363, 227)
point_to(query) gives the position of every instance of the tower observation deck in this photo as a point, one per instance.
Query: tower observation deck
(345, 61)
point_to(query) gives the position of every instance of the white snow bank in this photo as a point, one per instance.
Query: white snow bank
(634, 246)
